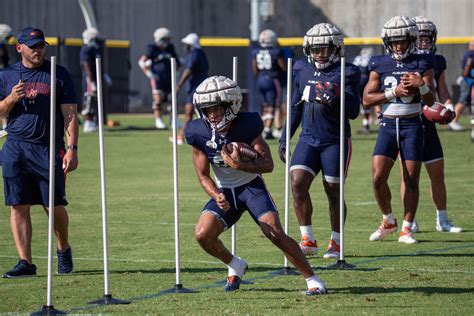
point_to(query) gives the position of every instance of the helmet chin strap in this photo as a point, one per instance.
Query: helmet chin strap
(332, 60)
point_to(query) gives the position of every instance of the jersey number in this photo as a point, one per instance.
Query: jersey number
(264, 60)
(392, 82)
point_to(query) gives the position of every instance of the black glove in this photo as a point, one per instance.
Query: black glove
(327, 92)
(282, 152)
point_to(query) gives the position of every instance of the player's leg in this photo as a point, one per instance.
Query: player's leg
(459, 107)
(212, 222)
(305, 165)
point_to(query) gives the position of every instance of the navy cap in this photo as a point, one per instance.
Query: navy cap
(31, 36)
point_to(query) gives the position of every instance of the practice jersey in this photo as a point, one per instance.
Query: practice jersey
(320, 123)
(245, 128)
(390, 72)
(466, 56)
(196, 61)
(161, 59)
(267, 60)
(87, 55)
(29, 119)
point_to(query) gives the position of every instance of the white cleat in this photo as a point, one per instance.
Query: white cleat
(276, 133)
(406, 237)
(415, 228)
(447, 226)
(159, 123)
(455, 126)
(384, 229)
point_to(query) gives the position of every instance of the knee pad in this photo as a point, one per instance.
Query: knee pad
(267, 116)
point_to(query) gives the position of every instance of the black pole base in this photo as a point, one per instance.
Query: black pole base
(48, 310)
(179, 289)
(285, 271)
(341, 264)
(108, 300)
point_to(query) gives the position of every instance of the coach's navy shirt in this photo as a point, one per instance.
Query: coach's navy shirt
(320, 123)
(196, 61)
(29, 119)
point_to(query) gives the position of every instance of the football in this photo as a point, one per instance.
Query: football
(438, 113)
(243, 150)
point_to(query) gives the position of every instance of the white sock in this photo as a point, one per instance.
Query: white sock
(389, 218)
(307, 231)
(407, 225)
(442, 215)
(236, 267)
(315, 282)
(336, 237)
(267, 129)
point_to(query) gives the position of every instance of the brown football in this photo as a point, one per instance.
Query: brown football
(245, 151)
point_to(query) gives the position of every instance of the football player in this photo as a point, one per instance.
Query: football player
(400, 80)
(156, 65)
(433, 152)
(238, 185)
(267, 63)
(316, 106)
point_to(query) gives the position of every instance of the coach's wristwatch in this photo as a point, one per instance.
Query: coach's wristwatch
(73, 147)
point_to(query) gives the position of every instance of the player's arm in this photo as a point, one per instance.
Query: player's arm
(254, 67)
(373, 97)
(263, 163)
(203, 172)
(296, 114)
(281, 64)
(69, 111)
(352, 104)
(184, 76)
(145, 65)
(466, 72)
(7, 104)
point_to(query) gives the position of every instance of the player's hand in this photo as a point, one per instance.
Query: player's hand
(412, 79)
(18, 92)
(229, 160)
(222, 202)
(403, 91)
(282, 152)
(327, 92)
(70, 161)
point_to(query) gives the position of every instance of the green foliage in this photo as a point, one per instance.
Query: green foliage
(435, 276)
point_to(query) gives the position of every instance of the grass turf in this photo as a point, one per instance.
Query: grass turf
(435, 276)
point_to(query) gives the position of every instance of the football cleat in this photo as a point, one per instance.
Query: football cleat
(159, 123)
(384, 229)
(406, 237)
(65, 265)
(233, 283)
(455, 126)
(447, 226)
(22, 270)
(308, 246)
(333, 251)
(415, 228)
(316, 291)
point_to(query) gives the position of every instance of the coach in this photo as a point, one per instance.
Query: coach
(25, 97)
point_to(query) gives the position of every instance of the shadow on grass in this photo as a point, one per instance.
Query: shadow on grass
(428, 290)
(135, 128)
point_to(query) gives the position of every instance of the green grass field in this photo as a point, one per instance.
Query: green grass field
(435, 276)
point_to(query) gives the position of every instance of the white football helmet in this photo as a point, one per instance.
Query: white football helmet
(324, 35)
(192, 39)
(399, 28)
(218, 90)
(160, 34)
(426, 28)
(89, 34)
(267, 38)
(5, 31)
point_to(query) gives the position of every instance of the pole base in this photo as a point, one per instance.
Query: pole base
(341, 264)
(48, 310)
(108, 300)
(179, 289)
(285, 271)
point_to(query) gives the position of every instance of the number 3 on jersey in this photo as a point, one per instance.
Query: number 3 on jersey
(391, 82)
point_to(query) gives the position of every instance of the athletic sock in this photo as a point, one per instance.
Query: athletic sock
(267, 129)
(407, 225)
(315, 282)
(307, 231)
(389, 218)
(336, 237)
(442, 215)
(236, 266)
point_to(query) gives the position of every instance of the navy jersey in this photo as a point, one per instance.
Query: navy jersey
(362, 61)
(245, 128)
(467, 55)
(196, 61)
(266, 59)
(321, 123)
(4, 58)
(29, 119)
(87, 55)
(439, 67)
(161, 59)
(390, 71)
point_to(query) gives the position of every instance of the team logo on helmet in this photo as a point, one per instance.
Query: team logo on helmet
(218, 90)
(426, 28)
(324, 35)
(399, 28)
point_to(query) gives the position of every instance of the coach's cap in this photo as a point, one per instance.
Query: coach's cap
(31, 36)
